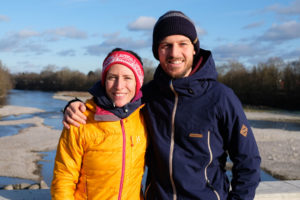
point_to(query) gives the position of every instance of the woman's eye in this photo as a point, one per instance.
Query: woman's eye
(128, 78)
(111, 78)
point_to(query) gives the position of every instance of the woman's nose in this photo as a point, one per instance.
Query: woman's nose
(119, 83)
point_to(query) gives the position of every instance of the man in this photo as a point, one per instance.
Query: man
(194, 122)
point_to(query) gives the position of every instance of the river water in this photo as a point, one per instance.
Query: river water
(53, 117)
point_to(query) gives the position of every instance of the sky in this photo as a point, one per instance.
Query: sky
(77, 34)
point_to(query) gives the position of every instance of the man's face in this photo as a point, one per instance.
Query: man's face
(176, 53)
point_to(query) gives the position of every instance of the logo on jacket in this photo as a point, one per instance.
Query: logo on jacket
(244, 130)
(196, 135)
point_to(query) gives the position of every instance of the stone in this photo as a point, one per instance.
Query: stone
(24, 186)
(43, 185)
(8, 187)
(34, 187)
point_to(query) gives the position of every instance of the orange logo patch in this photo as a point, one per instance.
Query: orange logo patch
(197, 135)
(244, 130)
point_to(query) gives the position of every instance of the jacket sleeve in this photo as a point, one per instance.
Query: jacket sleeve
(242, 149)
(67, 164)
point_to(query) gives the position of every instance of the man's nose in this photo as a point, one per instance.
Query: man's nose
(174, 51)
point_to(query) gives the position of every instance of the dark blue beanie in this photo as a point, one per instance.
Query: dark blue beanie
(174, 23)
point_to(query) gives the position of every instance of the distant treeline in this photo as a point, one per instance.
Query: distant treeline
(274, 83)
(64, 79)
(5, 81)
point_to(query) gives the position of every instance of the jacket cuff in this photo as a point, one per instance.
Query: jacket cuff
(73, 100)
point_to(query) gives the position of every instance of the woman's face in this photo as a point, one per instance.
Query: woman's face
(120, 84)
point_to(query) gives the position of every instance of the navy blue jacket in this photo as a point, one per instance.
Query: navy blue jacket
(194, 124)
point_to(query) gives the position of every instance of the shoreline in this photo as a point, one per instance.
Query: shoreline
(20, 153)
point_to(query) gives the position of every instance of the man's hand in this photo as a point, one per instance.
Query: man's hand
(74, 114)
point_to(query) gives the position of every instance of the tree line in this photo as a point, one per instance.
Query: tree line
(6, 82)
(274, 83)
(65, 79)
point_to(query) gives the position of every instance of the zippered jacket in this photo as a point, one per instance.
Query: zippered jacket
(103, 159)
(194, 124)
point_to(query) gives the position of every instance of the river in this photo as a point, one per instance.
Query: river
(53, 117)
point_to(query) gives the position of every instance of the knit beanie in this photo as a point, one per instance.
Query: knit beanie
(127, 59)
(174, 23)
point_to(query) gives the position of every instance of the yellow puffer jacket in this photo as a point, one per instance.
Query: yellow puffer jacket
(101, 160)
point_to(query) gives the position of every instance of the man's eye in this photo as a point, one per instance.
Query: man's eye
(164, 46)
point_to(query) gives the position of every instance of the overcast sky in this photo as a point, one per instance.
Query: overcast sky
(78, 34)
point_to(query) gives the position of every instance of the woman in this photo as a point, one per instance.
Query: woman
(104, 159)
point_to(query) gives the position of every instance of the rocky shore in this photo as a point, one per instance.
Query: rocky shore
(26, 186)
(279, 148)
(19, 154)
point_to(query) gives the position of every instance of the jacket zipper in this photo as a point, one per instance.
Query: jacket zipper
(123, 160)
(146, 191)
(205, 171)
(172, 142)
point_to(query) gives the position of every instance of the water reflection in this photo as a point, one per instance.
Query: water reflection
(13, 129)
(47, 166)
(38, 99)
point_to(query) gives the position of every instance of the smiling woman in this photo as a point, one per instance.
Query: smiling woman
(108, 151)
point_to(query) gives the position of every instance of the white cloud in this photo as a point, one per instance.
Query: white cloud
(234, 50)
(285, 31)
(4, 18)
(27, 34)
(253, 25)
(69, 52)
(114, 40)
(292, 9)
(66, 32)
(13, 41)
(27, 40)
(200, 31)
(142, 23)
(238, 51)
(35, 48)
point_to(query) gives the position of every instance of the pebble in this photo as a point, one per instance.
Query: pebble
(25, 186)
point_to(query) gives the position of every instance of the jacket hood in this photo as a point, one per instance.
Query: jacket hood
(207, 71)
(103, 101)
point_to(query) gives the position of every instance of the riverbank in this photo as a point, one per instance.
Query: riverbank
(19, 154)
(279, 149)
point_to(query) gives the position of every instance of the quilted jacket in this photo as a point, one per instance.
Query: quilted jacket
(101, 159)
